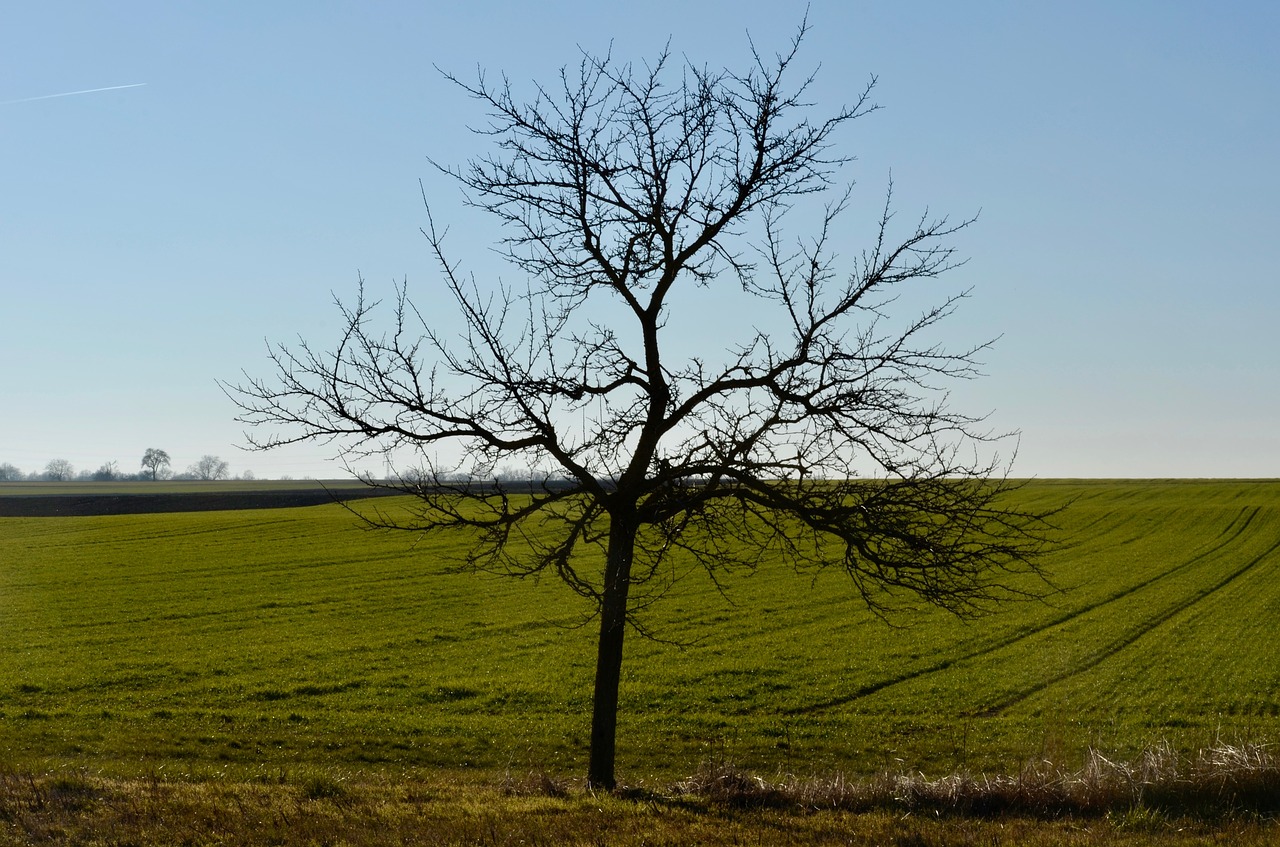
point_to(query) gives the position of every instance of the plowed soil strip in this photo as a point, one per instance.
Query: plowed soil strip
(81, 505)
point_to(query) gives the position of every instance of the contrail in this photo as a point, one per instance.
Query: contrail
(72, 93)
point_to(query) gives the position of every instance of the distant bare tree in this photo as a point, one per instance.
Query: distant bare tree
(106, 473)
(155, 461)
(59, 470)
(209, 468)
(10, 473)
(820, 437)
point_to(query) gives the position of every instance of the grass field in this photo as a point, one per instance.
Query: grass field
(247, 645)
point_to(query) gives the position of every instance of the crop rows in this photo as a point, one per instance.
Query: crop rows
(252, 640)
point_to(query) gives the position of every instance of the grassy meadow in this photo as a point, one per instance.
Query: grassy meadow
(271, 638)
(260, 645)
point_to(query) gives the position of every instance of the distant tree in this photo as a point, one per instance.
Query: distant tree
(208, 468)
(247, 476)
(10, 473)
(59, 470)
(155, 462)
(821, 436)
(107, 473)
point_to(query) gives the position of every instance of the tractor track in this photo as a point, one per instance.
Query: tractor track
(1229, 534)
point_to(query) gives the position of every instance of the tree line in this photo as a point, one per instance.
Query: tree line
(155, 465)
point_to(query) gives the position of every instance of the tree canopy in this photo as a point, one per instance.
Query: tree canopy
(155, 461)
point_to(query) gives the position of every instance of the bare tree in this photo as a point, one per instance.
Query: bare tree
(209, 468)
(59, 470)
(107, 472)
(10, 473)
(819, 437)
(155, 461)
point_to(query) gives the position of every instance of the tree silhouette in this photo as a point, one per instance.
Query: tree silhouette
(818, 437)
(59, 470)
(210, 468)
(154, 461)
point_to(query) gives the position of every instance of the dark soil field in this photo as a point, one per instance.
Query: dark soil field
(117, 501)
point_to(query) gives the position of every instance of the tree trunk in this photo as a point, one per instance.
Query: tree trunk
(613, 626)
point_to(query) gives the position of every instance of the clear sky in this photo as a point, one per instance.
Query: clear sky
(1125, 157)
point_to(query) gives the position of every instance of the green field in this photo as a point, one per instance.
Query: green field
(246, 643)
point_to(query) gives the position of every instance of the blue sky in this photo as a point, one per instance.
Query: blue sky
(1123, 157)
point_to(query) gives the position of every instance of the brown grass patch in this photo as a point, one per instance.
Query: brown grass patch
(1220, 781)
(1219, 795)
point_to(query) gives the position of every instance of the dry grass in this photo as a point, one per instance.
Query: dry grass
(1226, 794)
(1224, 780)
(534, 784)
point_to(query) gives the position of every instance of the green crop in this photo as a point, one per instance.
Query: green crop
(246, 641)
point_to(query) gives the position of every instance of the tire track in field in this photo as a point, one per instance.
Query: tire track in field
(1224, 539)
(1129, 639)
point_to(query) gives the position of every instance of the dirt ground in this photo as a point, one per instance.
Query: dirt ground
(67, 505)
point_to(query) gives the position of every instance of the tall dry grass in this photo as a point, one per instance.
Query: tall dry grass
(1221, 780)
(1228, 794)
